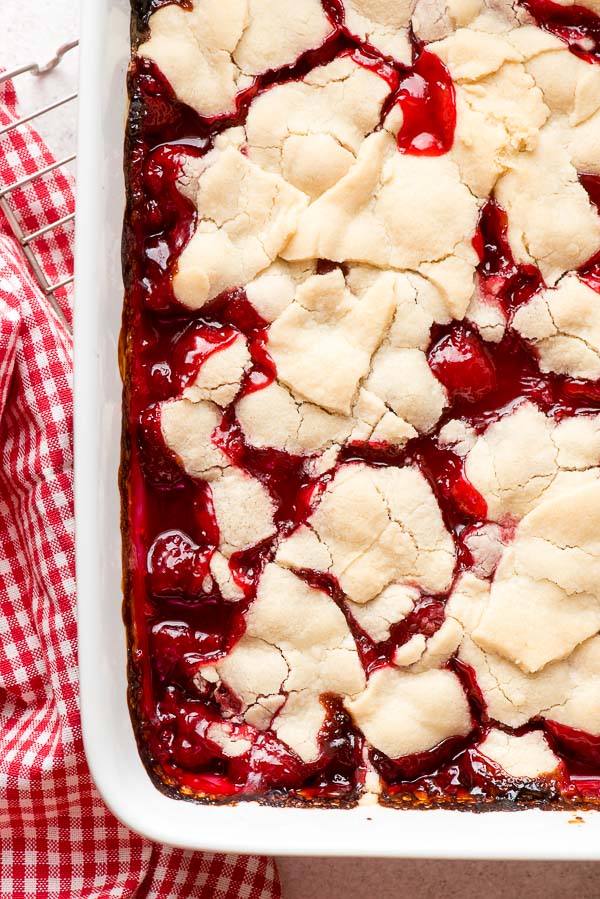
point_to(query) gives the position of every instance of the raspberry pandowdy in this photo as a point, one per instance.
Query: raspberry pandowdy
(361, 354)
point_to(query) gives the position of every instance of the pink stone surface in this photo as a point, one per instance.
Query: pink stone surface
(331, 878)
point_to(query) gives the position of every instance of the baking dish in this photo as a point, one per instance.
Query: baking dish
(108, 735)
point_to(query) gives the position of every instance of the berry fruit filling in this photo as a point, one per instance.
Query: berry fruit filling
(361, 355)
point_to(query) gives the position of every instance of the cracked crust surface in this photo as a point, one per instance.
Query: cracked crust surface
(514, 481)
(245, 218)
(377, 616)
(188, 429)
(352, 256)
(297, 650)
(551, 221)
(383, 25)
(402, 714)
(373, 527)
(544, 595)
(565, 691)
(243, 511)
(211, 51)
(564, 326)
(359, 219)
(220, 375)
(326, 325)
(309, 131)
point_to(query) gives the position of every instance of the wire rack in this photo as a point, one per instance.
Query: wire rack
(27, 239)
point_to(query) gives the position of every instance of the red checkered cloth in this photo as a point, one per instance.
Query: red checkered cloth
(57, 838)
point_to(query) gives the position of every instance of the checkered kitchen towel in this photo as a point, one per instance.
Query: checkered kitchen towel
(57, 839)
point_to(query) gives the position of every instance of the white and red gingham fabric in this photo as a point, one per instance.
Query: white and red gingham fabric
(57, 838)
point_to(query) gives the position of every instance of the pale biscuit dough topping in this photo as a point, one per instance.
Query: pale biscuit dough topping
(360, 220)
(210, 52)
(401, 714)
(384, 25)
(401, 538)
(298, 649)
(564, 691)
(375, 526)
(528, 756)
(310, 131)
(564, 325)
(327, 325)
(219, 377)
(246, 217)
(513, 480)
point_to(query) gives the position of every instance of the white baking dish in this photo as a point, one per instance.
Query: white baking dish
(109, 741)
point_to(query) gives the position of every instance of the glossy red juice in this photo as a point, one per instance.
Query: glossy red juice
(178, 620)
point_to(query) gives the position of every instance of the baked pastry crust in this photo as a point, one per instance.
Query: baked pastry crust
(362, 411)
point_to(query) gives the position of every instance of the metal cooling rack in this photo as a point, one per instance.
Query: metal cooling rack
(27, 239)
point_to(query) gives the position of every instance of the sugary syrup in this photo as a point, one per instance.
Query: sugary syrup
(178, 620)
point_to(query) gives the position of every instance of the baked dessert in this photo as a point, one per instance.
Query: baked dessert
(361, 352)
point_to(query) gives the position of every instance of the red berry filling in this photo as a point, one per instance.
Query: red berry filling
(179, 649)
(501, 279)
(460, 361)
(578, 26)
(591, 183)
(159, 465)
(178, 568)
(179, 619)
(427, 99)
(195, 346)
(192, 736)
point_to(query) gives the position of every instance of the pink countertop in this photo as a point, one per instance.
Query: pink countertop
(323, 878)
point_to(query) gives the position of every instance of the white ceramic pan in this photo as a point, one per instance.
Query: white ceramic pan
(109, 741)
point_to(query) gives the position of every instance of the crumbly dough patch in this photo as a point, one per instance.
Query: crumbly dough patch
(528, 756)
(401, 714)
(327, 326)
(513, 480)
(309, 131)
(565, 691)
(212, 51)
(563, 324)
(245, 218)
(359, 219)
(291, 653)
(220, 375)
(374, 527)
(544, 598)
(384, 25)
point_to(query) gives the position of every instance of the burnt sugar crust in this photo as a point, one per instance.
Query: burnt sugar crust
(361, 357)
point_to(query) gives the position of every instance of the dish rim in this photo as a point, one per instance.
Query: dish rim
(108, 736)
